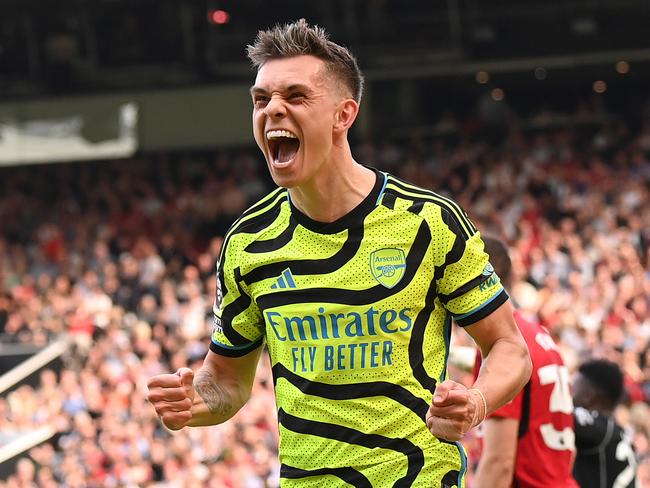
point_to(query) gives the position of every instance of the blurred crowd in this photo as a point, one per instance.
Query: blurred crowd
(119, 256)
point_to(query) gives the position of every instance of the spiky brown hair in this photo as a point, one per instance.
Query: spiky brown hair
(299, 38)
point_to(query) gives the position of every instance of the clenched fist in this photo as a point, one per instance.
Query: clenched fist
(455, 410)
(172, 395)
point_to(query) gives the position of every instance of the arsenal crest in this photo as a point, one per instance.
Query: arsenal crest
(388, 266)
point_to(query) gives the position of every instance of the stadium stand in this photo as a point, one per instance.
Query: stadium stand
(118, 256)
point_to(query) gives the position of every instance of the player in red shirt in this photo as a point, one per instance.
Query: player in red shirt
(529, 442)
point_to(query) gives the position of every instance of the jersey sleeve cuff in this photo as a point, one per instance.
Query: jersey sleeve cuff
(235, 351)
(483, 310)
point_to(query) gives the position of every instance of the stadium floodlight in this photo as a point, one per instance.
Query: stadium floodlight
(218, 16)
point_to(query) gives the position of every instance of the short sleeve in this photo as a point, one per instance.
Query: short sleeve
(469, 289)
(238, 323)
(512, 409)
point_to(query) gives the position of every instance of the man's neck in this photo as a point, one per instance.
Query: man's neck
(333, 193)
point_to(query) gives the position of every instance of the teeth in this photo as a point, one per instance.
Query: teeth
(274, 134)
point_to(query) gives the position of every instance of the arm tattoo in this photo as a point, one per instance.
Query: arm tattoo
(215, 396)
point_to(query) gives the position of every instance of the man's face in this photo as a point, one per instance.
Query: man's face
(582, 392)
(294, 110)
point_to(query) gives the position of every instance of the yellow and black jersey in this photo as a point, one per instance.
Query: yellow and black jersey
(357, 316)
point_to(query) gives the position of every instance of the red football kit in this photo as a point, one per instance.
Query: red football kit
(544, 409)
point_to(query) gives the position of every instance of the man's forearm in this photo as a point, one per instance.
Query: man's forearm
(505, 371)
(493, 473)
(497, 464)
(214, 403)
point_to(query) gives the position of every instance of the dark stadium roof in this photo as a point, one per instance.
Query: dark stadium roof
(103, 45)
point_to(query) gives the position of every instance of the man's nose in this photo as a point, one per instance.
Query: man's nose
(275, 108)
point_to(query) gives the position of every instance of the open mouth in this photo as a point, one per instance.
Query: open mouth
(283, 146)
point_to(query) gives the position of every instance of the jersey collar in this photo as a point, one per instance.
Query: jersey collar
(354, 217)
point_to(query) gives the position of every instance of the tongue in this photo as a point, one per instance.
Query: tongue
(287, 150)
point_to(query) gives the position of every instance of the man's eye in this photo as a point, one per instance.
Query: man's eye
(296, 97)
(261, 102)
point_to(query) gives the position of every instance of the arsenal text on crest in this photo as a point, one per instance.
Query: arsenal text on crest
(387, 266)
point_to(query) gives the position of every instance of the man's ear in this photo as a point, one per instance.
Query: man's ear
(346, 114)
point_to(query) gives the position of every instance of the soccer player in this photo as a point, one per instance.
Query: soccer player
(351, 277)
(605, 456)
(529, 442)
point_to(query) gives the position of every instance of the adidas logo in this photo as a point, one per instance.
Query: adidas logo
(284, 281)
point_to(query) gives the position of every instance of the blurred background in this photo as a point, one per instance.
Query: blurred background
(126, 152)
